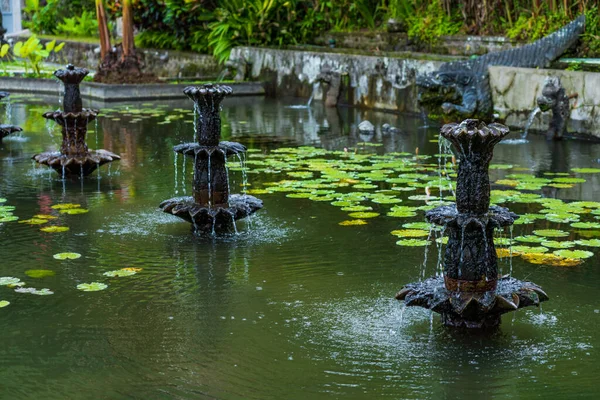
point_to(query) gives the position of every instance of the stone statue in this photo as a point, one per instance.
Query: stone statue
(554, 98)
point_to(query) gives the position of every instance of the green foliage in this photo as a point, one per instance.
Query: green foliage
(431, 23)
(34, 53)
(41, 17)
(84, 26)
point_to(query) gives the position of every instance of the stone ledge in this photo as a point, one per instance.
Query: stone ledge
(109, 93)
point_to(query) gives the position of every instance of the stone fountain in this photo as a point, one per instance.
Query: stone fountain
(74, 157)
(211, 209)
(470, 293)
(6, 130)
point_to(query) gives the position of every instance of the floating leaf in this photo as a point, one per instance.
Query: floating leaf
(9, 219)
(39, 273)
(34, 221)
(410, 233)
(586, 225)
(551, 233)
(54, 229)
(412, 242)
(9, 280)
(590, 242)
(362, 214)
(357, 208)
(353, 222)
(66, 256)
(586, 170)
(38, 292)
(419, 225)
(66, 206)
(504, 253)
(120, 273)
(92, 287)
(134, 269)
(530, 239)
(529, 249)
(74, 211)
(4, 303)
(44, 216)
(577, 254)
(558, 245)
(551, 260)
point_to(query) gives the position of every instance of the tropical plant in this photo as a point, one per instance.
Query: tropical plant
(84, 26)
(34, 53)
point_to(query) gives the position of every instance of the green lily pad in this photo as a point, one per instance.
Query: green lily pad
(550, 233)
(120, 273)
(554, 244)
(74, 211)
(419, 225)
(10, 281)
(92, 287)
(54, 229)
(529, 249)
(530, 239)
(586, 225)
(4, 303)
(34, 221)
(66, 206)
(577, 254)
(357, 208)
(9, 218)
(589, 242)
(66, 256)
(586, 170)
(412, 242)
(353, 222)
(410, 233)
(39, 273)
(363, 214)
(37, 292)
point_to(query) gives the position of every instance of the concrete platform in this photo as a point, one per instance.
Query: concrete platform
(110, 93)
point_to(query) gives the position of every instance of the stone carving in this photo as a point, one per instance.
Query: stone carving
(554, 98)
(6, 130)
(470, 293)
(211, 209)
(470, 80)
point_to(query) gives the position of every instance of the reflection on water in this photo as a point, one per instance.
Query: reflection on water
(298, 307)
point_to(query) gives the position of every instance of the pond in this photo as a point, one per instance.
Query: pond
(296, 305)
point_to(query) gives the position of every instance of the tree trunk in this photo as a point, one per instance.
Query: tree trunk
(103, 30)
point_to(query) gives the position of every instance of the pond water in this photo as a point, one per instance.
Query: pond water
(296, 306)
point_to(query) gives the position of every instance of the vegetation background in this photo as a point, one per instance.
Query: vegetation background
(216, 26)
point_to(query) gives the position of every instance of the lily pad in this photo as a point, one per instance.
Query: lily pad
(551, 233)
(554, 244)
(66, 206)
(577, 254)
(74, 211)
(4, 303)
(586, 225)
(551, 260)
(410, 233)
(589, 242)
(38, 292)
(412, 242)
(363, 214)
(39, 273)
(34, 221)
(530, 239)
(66, 256)
(92, 287)
(119, 273)
(529, 249)
(54, 229)
(10, 281)
(586, 170)
(353, 222)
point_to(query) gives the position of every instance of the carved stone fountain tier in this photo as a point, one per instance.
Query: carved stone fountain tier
(471, 294)
(6, 130)
(211, 209)
(74, 157)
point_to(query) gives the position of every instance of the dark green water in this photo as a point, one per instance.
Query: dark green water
(296, 307)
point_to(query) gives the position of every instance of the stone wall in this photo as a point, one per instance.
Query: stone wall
(462, 45)
(515, 90)
(164, 63)
(377, 82)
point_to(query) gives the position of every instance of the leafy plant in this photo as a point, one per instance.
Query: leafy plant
(34, 53)
(84, 26)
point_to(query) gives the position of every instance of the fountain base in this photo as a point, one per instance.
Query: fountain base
(474, 310)
(6, 130)
(72, 166)
(215, 220)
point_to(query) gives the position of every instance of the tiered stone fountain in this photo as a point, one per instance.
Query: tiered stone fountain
(74, 157)
(470, 293)
(6, 130)
(211, 209)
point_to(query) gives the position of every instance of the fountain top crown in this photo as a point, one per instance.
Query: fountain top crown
(473, 134)
(209, 93)
(71, 74)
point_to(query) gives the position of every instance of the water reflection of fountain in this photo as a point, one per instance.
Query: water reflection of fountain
(5, 129)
